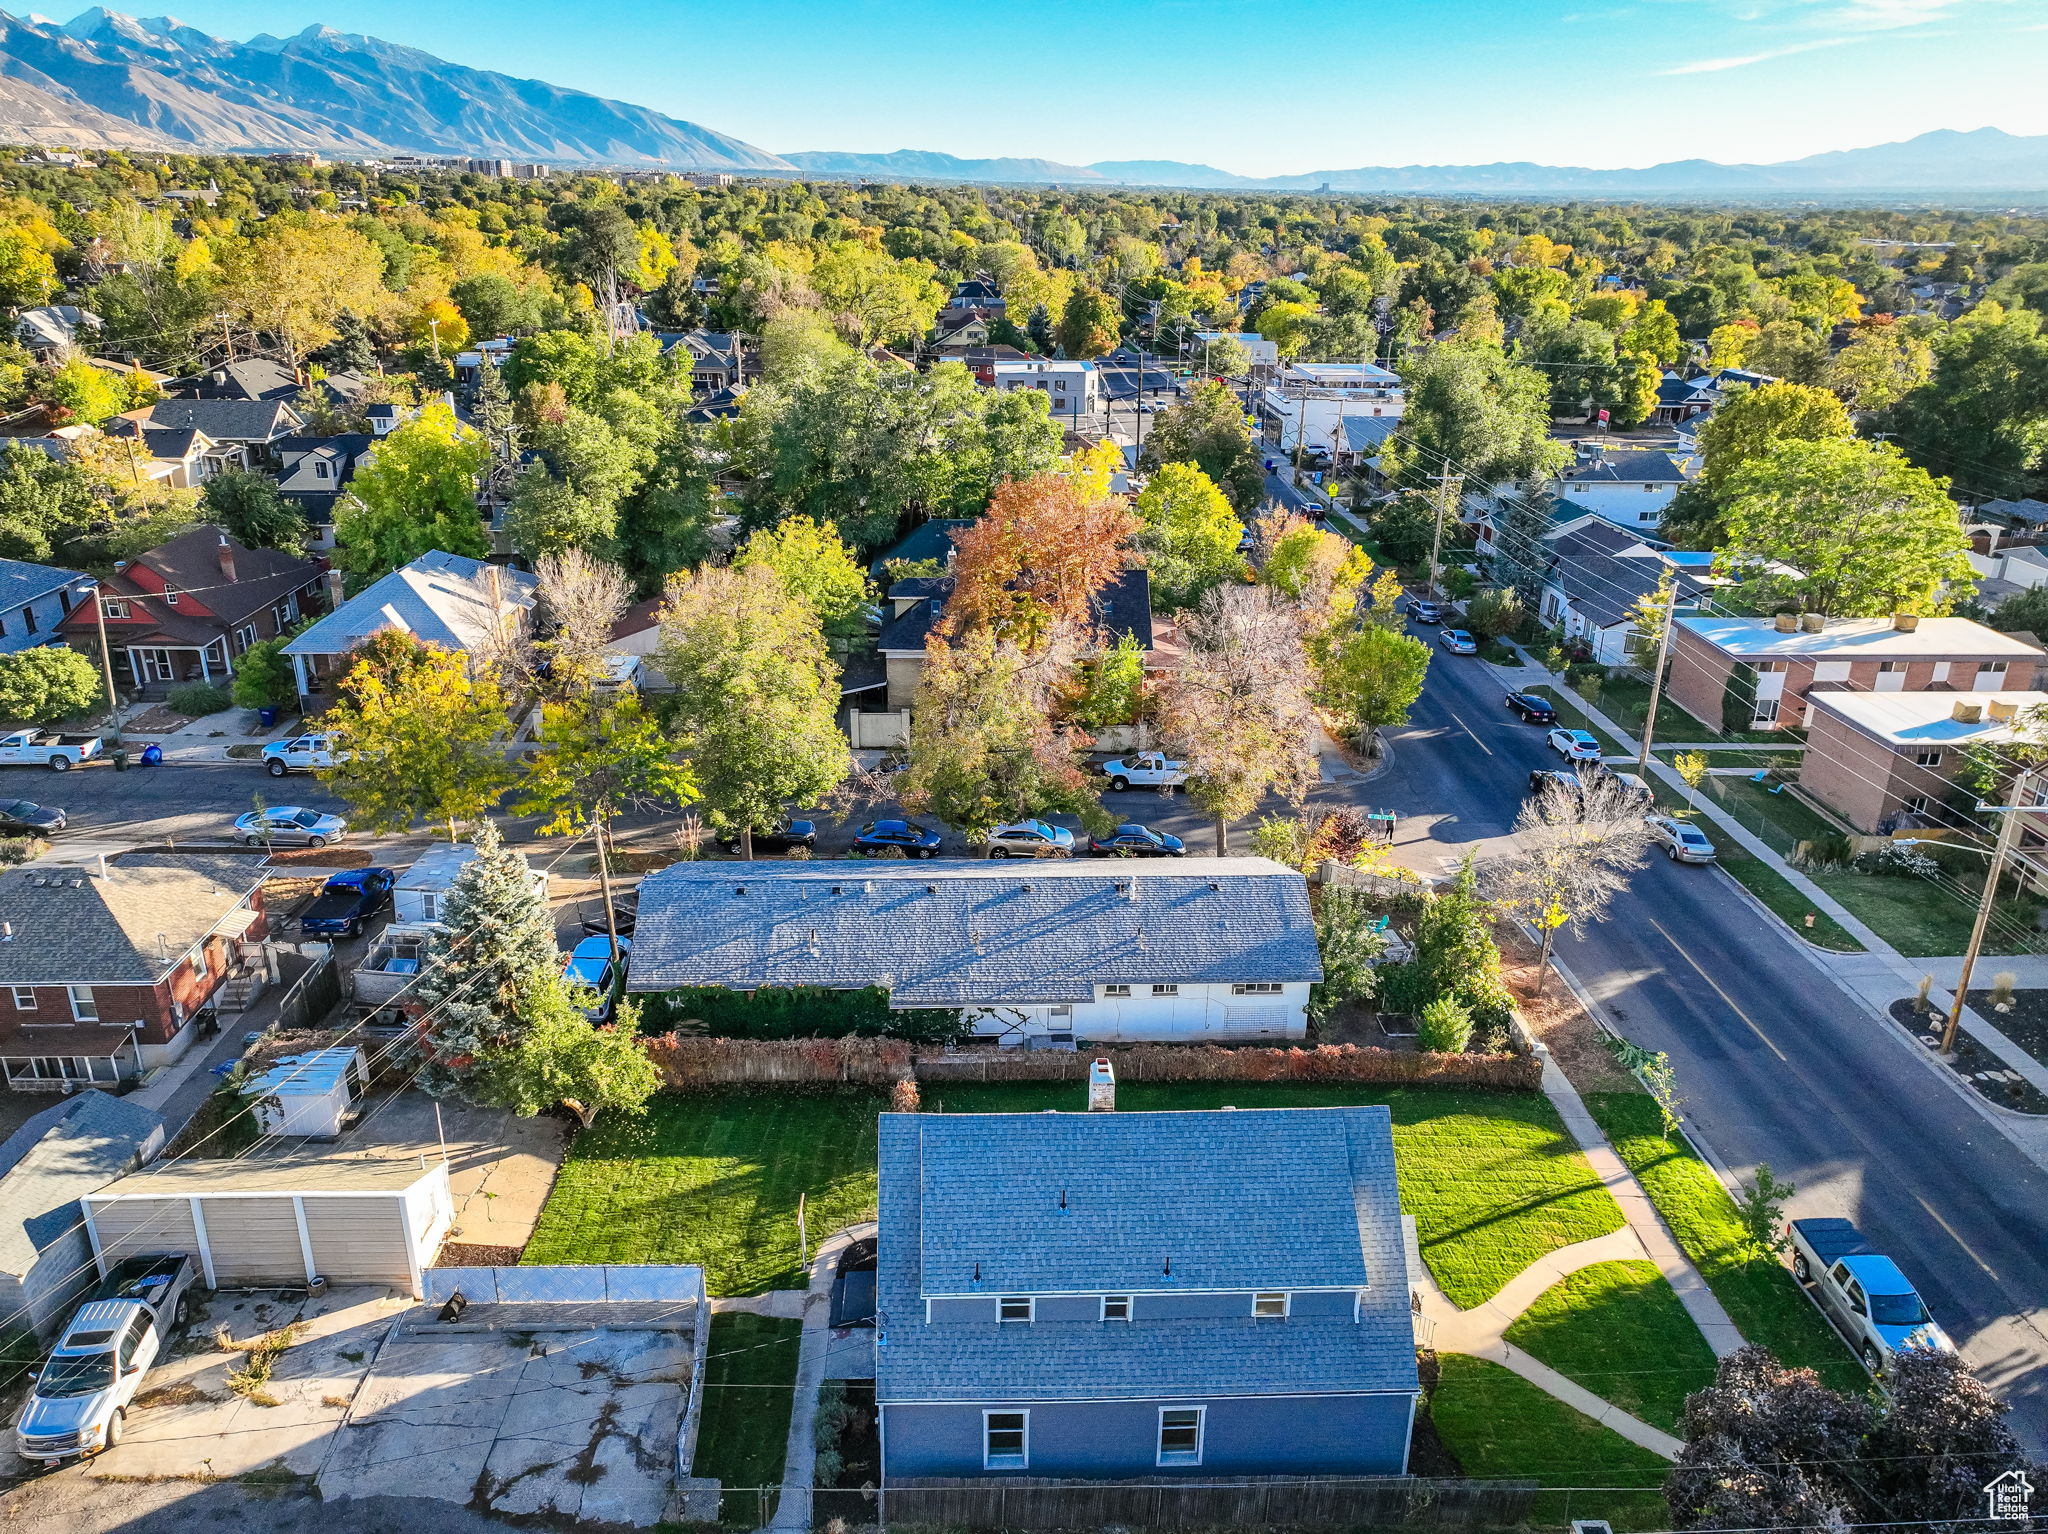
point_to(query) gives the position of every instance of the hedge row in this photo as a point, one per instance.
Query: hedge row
(693, 1064)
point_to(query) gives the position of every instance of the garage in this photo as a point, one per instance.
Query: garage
(283, 1222)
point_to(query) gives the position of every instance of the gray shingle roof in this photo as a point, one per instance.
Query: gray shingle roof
(1630, 466)
(22, 582)
(441, 599)
(1124, 606)
(1264, 1198)
(74, 1148)
(928, 540)
(958, 932)
(224, 420)
(72, 927)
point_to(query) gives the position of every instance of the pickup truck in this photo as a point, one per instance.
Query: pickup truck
(1148, 769)
(1863, 1293)
(59, 753)
(78, 1400)
(302, 753)
(346, 901)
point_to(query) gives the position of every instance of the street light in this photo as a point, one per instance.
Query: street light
(99, 610)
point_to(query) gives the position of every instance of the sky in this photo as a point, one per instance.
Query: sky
(1252, 86)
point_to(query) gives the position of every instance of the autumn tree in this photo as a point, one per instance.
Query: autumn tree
(579, 600)
(814, 564)
(295, 279)
(1032, 566)
(1764, 1448)
(416, 494)
(1090, 324)
(1574, 850)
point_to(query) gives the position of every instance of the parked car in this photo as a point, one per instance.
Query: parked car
(59, 753)
(1147, 769)
(1132, 840)
(78, 1401)
(1548, 780)
(1458, 642)
(1423, 611)
(289, 825)
(1862, 1292)
(1534, 710)
(1031, 839)
(1634, 787)
(302, 753)
(347, 901)
(1574, 745)
(910, 838)
(776, 838)
(1682, 843)
(30, 818)
(590, 964)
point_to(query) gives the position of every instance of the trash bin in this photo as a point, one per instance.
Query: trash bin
(152, 754)
(120, 755)
(267, 717)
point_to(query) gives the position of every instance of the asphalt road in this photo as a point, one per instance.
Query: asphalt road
(1776, 1063)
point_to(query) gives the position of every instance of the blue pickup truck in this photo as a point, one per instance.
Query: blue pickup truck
(347, 901)
(1871, 1303)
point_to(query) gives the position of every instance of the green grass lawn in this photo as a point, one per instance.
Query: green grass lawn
(714, 1179)
(1734, 756)
(1618, 1329)
(1502, 1427)
(1626, 700)
(749, 1382)
(1780, 821)
(1759, 1293)
(1492, 1178)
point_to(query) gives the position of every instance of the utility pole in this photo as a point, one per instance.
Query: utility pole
(2008, 833)
(604, 878)
(434, 333)
(1667, 593)
(1447, 490)
(227, 336)
(99, 612)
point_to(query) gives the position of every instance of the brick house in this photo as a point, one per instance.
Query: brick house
(1883, 760)
(104, 967)
(1755, 673)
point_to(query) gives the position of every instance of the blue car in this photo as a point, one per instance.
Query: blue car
(590, 966)
(906, 836)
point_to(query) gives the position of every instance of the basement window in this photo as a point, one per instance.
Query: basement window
(1257, 988)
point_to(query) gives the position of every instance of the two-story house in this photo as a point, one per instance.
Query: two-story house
(312, 474)
(33, 602)
(240, 430)
(103, 967)
(1630, 487)
(1073, 389)
(1140, 1296)
(183, 611)
(977, 293)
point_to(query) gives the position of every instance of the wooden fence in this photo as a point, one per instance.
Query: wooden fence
(1205, 1062)
(689, 1064)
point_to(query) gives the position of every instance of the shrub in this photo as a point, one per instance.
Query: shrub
(1445, 1026)
(264, 678)
(798, 1012)
(1894, 861)
(198, 698)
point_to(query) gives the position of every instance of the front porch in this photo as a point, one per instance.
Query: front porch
(163, 666)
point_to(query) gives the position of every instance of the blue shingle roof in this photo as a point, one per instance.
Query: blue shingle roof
(956, 932)
(22, 582)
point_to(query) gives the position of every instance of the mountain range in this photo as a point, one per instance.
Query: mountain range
(105, 80)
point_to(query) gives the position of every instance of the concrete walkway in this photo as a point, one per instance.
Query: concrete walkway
(793, 1506)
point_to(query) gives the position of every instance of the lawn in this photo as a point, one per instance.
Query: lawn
(1499, 1426)
(1787, 903)
(1618, 1329)
(1780, 821)
(1759, 1293)
(1924, 920)
(1492, 1178)
(715, 1180)
(1626, 700)
(749, 1382)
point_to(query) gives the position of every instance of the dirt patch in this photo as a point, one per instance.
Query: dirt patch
(155, 720)
(465, 1254)
(184, 1393)
(1990, 1077)
(1557, 1018)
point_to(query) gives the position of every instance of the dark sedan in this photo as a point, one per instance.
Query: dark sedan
(1136, 841)
(1547, 781)
(906, 836)
(1533, 709)
(791, 833)
(27, 816)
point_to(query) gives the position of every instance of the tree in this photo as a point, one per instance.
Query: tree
(1090, 324)
(1763, 1445)
(417, 736)
(1495, 612)
(1879, 367)
(755, 699)
(1983, 416)
(1791, 351)
(1113, 686)
(1752, 425)
(27, 274)
(1372, 678)
(264, 677)
(416, 494)
(249, 509)
(1350, 942)
(580, 600)
(1692, 768)
(1237, 711)
(1941, 1439)
(1472, 411)
(1574, 853)
(1031, 568)
(1226, 357)
(294, 281)
(567, 358)
(1191, 536)
(558, 1057)
(1636, 381)
(1208, 430)
(44, 504)
(78, 391)
(1653, 333)
(494, 305)
(1761, 1208)
(549, 516)
(46, 684)
(815, 565)
(1444, 1026)
(1870, 533)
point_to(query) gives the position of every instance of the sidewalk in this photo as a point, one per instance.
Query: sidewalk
(793, 1507)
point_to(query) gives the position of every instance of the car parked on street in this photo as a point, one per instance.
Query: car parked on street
(1458, 642)
(1871, 1303)
(1548, 780)
(1682, 843)
(1131, 840)
(591, 965)
(1424, 611)
(778, 838)
(29, 818)
(1147, 769)
(1031, 839)
(1574, 745)
(34, 748)
(302, 753)
(907, 836)
(289, 826)
(1534, 710)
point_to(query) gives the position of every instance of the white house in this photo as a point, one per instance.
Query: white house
(1631, 487)
(1203, 949)
(1074, 388)
(440, 599)
(419, 892)
(1264, 353)
(1309, 401)
(1598, 572)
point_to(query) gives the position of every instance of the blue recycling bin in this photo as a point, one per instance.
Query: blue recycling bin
(152, 755)
(267, 716)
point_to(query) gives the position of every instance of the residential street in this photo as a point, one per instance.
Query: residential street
(1777, 1063)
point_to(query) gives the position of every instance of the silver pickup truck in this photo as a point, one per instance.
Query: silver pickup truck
(1862, 1292)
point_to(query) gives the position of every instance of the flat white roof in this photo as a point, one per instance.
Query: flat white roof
(1927, 718)
(1856, 638)
(315, 1074)
(383, 1170)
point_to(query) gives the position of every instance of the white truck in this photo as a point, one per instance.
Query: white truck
(302, 753)
(1863, 1293)
(59, 753)
(78, 1400)
(1147, 769)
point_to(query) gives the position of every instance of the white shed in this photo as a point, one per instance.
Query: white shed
(311, 1094)
(280, 1223)
(422, 890)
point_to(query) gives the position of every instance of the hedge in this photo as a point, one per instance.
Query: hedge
(796, 1012)
(691, 1064)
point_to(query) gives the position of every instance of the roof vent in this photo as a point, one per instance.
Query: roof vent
(1810, 623)
(1905, 623)
(1786, 623)
(6, 931)
(1101, 1085)
(2002, 709)
(1967, 711)
(835, 889)
(739, 889)
(931, 889)
(1214, 885)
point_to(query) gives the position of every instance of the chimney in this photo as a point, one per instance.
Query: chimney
(1101, 1086)
(333, 589)
(1967, 711)
(1786, 623)
(1905, 623)
(497, 590)
(225, 554)
(2004, 710)
(1810, 623)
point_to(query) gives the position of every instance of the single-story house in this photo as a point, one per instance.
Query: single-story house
(1141, 1296)
(1210, 948)
(33, 602)
(70, 1149)
(1755, 673)
(103, 967)
(420, 891)
(2026, 512)
(440, 599)
(1885, 759)
(1599, 572)
(56, 330)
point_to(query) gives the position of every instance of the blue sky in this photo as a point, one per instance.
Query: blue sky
(1254, 86)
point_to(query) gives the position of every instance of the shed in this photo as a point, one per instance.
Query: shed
(310, 1094)
(419, 894)
(354, 1219)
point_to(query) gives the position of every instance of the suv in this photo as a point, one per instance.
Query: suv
(1031, 839)
(302, 753)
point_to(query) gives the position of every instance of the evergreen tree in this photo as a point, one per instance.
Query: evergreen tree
(1518, 555)
(350, 350)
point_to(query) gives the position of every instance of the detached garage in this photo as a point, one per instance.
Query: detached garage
(281, 1223)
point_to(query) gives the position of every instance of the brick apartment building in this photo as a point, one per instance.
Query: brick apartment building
(1883, 760)
(1755, 673)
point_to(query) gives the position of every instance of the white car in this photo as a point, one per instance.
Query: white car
(1148, 769)
(1574, 745)
(1031, 839)
(302, 753)
(1682, 843)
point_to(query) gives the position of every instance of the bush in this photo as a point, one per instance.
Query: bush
(46, 684)
(797, 1012)
(265, 679)
(1445, 1027)
(1895, 861)
(199, 698)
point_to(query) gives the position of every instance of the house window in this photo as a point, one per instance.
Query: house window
(24, 998)
(245, 636)
(1991, 675)
(1766, 713)
(283, 614)
(1257, 988)
(1014, 1307)
(1270, 1305)
(428, 911)
(1916, 804)
(1116, 1307)
(1165, 990)
(1927, 759)
(1940, 671)
(1005, 1440)
(83, 1008)
(28, 619)
(3, 626)
(1116, 990)
(116, 608)
(199, 969)
(170, 597)
(320, 471)
(1180, 1435)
